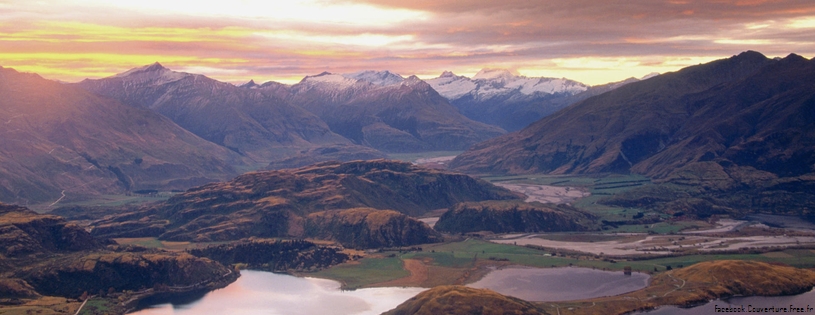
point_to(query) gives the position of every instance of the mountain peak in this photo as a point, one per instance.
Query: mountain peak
(152, 68)
(447, 74)
(749, 55)
(487, 74)
(650, 75)
(381, 78)
(249, 85)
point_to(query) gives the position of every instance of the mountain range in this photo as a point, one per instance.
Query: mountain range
(152, 128)
(392, 115)
(260, 126)
(510, 101)
(738, 131)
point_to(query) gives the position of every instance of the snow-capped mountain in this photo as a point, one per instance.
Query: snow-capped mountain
(380, 78)
(492, 83)
(255, 121)
(385, 111)
(508, 100)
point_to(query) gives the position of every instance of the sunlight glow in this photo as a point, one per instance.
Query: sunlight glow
(304, 11)
(805, 22)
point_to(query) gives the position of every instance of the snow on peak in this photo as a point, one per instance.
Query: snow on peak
(152, 68)
(650, 75)
(488, 74)
(489, 83)
(380, 78)
(327, 79)
(154, 73)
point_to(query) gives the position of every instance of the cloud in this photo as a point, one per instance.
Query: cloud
(593, 41)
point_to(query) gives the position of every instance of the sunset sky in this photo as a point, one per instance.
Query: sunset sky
(590, 41)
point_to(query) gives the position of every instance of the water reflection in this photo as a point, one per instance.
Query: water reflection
(257, 292)
(751, 304)
(560, 284)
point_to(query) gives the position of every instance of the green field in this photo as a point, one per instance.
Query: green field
(364, 272)
(466, 254)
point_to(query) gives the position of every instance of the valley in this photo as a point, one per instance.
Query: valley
(155, 184)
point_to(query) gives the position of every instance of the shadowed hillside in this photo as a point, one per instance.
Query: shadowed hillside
(512, 216)
(63, 143)
(737, 132)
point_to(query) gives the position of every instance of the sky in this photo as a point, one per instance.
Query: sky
(593, 42)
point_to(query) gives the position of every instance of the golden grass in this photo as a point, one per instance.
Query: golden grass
(463, 300)
(46, 305)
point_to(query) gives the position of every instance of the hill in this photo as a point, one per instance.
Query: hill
(62, 143)
(512, 216)
(700, 283)
(43, 255)
(276, 203)
(738, 131)
(454, 300)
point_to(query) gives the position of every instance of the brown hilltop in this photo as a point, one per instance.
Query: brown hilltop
(455, 300)
(25, 233)
(275, 203)
(699, 283)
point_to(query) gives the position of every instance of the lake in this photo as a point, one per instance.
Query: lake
(805, 302)
(260, 292)
(560, 284)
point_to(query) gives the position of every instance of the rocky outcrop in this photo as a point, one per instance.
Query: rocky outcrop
(454, 300)
(510, 217)
(46, 255)
(71, 275)
(369, 228)
(24, 232)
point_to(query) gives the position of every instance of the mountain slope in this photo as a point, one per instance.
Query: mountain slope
(739, 124)
(260, 126)
(381, 111)
(58, 140)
